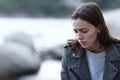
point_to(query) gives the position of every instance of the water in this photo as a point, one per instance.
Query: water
(112, 19)
(50, 70)
(45, 32)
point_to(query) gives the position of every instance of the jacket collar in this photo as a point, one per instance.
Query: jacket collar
(79, 66)
(112, 55)
(76, 54)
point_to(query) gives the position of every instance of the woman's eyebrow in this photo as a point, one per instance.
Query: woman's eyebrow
(80, 29)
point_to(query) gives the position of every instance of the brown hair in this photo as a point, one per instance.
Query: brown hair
(91, 13)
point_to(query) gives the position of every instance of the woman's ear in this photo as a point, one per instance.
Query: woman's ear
(99, 28)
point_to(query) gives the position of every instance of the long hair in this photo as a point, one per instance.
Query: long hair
(91, 13)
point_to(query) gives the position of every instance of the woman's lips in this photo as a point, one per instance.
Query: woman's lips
(83, 42)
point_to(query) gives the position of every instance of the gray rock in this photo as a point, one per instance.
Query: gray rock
(52, 53)
(17, 58)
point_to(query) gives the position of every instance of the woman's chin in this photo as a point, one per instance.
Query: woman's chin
(84, 46)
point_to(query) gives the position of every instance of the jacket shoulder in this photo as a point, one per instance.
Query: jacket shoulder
(66, 46)
(67, 50)
(117, 44)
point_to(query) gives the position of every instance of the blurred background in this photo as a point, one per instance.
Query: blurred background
(44, 26)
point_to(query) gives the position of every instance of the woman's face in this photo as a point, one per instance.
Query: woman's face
(86, 33)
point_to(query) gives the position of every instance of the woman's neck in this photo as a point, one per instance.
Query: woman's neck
(96, 48)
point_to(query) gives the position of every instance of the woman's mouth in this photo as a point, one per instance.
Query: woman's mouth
(83, 42)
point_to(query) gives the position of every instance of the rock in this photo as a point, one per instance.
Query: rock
(17, 57)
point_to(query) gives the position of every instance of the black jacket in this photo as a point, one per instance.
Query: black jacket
(75, 66)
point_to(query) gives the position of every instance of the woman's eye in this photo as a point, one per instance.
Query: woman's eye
(84, 31)
(75, 31)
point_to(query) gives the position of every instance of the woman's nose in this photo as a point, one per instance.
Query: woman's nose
(79, 36)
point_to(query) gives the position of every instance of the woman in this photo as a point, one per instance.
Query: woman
(94, 54)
